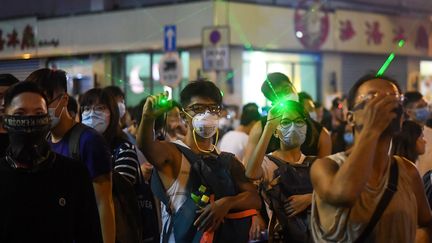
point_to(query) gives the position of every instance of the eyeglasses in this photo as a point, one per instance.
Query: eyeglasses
(364, 98)
(299, 122)
(201, 108)
(96, 108)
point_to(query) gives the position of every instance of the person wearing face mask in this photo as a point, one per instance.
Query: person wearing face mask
(284, 173)
(417, 110)
(6, 80)
(91, 148)
(199, 187)
(99, 110)
(367, 194)
(45, 197)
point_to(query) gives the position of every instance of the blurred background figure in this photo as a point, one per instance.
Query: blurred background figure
(409, 142)
(337, 113)
(324, 116)
(6, 80)
(417, 110)
(235, 141)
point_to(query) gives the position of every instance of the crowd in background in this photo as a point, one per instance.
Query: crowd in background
(92, 169)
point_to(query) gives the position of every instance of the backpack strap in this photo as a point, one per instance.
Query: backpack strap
(74, 140)
(383, 203)
(275, 160)
(309, 160)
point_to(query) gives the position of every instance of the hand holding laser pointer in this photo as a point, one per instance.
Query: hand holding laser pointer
(156, 105)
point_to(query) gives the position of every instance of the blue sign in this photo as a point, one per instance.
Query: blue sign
(170, 38)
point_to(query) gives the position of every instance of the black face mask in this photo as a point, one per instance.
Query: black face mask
(27, 135)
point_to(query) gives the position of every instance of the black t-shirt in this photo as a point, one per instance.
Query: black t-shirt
(310, 145)
(4, 143)
(56, 203)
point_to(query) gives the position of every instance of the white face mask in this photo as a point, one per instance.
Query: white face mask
(122, 109)
(96, 120)
(205, 124)
(55, 120)
(313, 115)
(293, 136)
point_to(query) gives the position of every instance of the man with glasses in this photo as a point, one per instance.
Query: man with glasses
(367, 194)
(188, 173)
(93, 150)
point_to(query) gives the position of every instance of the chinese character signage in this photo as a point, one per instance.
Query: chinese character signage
(375, 33)
(19, 37)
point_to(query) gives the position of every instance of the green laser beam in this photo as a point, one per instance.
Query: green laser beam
(385, 65)
(390, 58)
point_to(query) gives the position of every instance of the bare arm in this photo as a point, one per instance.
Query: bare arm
(103, 191)
(254, 137)
(324, 144)
(254, 161)
(341, 186)
(157, 152)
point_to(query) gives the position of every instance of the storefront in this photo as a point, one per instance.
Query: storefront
(323, 52)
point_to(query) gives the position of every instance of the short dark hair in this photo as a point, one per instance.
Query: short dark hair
(352, 94)
(7, 79)
(200, 88)
(304, 96)
(115, 91)
(19, 88)
(249, 114)
(50, 80)
(276, 80)
(101, 96)
(404, 143)
(411, 97)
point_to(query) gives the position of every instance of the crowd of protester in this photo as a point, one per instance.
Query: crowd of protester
(92, 169)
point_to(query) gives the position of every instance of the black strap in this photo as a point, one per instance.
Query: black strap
(74, 140)
(383, 203)
(307, 161)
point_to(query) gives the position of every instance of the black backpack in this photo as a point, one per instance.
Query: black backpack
(289, 180)
(127, 212)
(214, 173)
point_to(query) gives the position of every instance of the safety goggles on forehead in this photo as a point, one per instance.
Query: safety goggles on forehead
(202, 108)
(364, 98)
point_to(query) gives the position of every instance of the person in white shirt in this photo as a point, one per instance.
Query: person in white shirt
(235, 141)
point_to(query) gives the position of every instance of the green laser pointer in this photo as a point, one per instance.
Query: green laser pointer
(390, 58)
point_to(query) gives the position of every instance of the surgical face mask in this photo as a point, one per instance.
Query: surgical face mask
(349, 138)
(422, 114)
(27, 137)
(55, 120)
(122, 109)
(97, 120)
(205, 124)
(313, 115)
(293, 135)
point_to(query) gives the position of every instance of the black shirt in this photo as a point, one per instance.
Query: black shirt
(4, 143)
(55, 203)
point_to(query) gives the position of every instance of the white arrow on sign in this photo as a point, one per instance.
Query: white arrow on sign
(170, 34)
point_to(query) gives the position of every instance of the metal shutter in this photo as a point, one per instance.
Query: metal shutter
(356, 65)
(20, 68)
